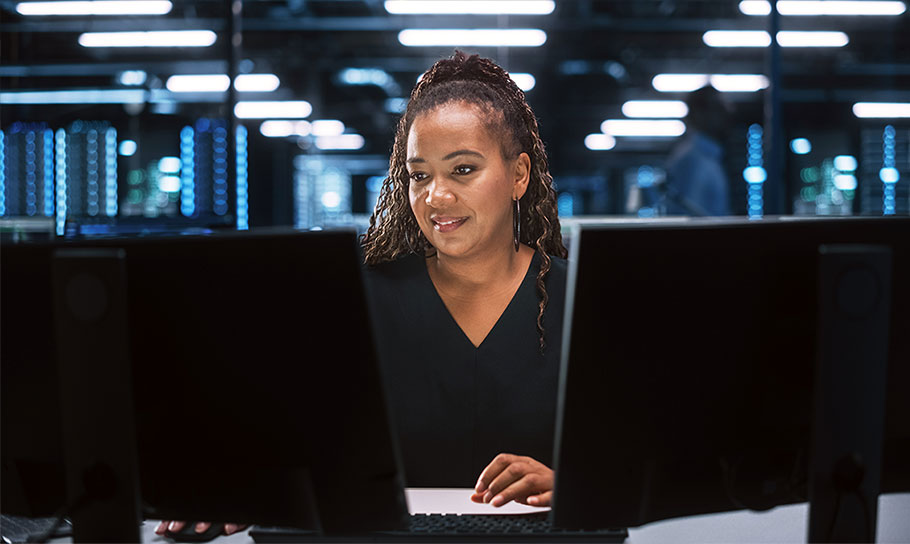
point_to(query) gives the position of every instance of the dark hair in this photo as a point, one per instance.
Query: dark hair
(393, 230)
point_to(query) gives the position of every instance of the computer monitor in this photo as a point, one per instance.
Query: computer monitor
(689, 366)
(257, 392)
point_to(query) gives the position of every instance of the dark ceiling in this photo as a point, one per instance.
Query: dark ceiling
(598, 54)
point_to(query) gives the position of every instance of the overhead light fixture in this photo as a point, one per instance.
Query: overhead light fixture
(785, 38)
(524, 81)
(823, 7)
(340, 142)
(682, 83)
(277, 128)
(882, 110)
(643, 128)
(80, 96)
(470, 7)
(600, 142)
(736, 38)
(132, 78)
(655, 108)
(97, 7)
(742, 83)
(795, 38)
(327, 127)
(478, 37)
(151, 38)
(264, 109)
(185, 83)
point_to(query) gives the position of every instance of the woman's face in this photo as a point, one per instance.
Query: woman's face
(461, 188)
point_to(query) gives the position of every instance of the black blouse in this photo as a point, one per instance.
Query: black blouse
(456, 406)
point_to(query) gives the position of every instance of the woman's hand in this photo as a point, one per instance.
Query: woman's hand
(201, 527)
(514, 478)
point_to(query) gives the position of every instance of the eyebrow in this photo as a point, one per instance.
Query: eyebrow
(451, 155)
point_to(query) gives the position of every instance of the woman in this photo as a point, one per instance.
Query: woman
(467, 272)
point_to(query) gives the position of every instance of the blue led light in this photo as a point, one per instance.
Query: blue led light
(754, 174)
(565, 204)
(31, 176)
(48, 171)
(128, 148)
(845, 163)
(800, 146)
(889, 173)
(645, 177)
(60, 148)
(242, 179)
(110, 172)
(219, 178)
(2, 173)
(187, 181)
(91, 178)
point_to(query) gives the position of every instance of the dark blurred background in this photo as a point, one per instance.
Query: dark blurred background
(104, 132)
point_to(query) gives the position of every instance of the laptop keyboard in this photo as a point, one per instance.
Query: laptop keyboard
(454, 527)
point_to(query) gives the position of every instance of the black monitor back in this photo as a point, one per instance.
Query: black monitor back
(256, 385)
(689, 365)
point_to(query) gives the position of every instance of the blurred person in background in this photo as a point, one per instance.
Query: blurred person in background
(696, 183)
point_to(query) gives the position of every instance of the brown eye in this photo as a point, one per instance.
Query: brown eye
(417, 177)
(463, 170)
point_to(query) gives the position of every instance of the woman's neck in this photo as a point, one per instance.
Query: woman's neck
(479, 276)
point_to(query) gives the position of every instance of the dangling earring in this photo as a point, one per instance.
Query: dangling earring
(516, 224)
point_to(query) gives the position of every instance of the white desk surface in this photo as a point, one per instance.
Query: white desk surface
(784, 524)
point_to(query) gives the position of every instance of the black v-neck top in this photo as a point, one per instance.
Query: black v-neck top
(456, 406)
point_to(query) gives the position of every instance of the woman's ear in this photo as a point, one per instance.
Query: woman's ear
(522, 175)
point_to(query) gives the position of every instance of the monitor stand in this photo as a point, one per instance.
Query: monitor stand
(99, 438)
(854, 295)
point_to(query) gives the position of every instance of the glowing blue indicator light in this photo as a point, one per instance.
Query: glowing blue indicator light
(60, 148)
(128, 148)
(219, 185)
(92, 191)
(845, 163)
(754, 174)
(800, 146)
(187, 167)
(242, 179)
(565, 204)
(31, 176)
(48, 149)
(845, 182)
(110, 172)
(889, 175)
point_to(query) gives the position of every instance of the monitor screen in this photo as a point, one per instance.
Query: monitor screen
(689, 365)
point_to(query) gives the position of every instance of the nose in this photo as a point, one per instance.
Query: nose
(439, 194)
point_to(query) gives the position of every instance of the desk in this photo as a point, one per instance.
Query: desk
(784, 524)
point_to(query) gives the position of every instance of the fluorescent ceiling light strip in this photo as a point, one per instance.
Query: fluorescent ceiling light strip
(882, 110)
(279, 128)
(99, 7)
(327, 127)
(795, 38)
(824, 7)
(641, 127)
(786, 38)
(341, 141)
(744, 83)
(737, 38)
(155, 38)
(514, 37)
(202, 83)
(600, 142)
(524, 81)
(655, 108)
(288, 109)
(262, 83)
(470, 7)
(669, 83)
(81, 96)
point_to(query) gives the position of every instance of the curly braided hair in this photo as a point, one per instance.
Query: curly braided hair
(393, 230)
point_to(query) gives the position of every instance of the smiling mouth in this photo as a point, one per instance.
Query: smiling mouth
(448, 224)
